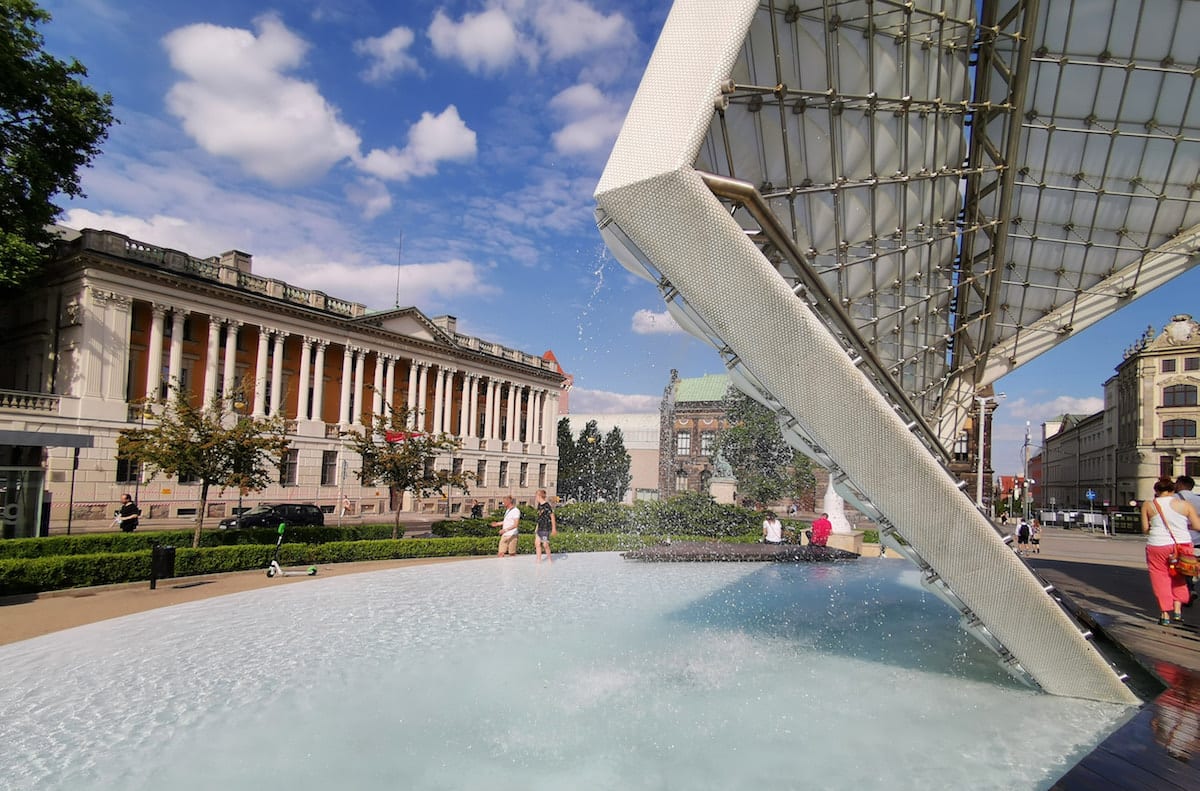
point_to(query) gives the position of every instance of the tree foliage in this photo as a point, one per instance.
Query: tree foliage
(765, 466)
(51, 126)
(216, 446)
(593, 467)
(397, 456)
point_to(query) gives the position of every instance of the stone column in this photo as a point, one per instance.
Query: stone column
(154, 352)
(175, 366)
(344, 404)
(318, 399)
(411, 400)
(389, 386)
(422, 394)
(277, 373)
(448, 409)
(473, 419)
(212, 361)
(552, 421)
(438, 399)
(377, 387)
(510, 429)
(305, 371)
(231, 334)
(535, 410)
(530, 397)
(464, 411)
(260, 373)
(488, 408)
(360, 369)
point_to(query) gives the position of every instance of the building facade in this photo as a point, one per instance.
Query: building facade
(1147, 428)
(640, 433)
(115, 323)
(692, 412)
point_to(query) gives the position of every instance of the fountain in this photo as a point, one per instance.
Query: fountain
(595, 672)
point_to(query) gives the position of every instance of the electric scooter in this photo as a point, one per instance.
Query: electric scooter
(274, 570)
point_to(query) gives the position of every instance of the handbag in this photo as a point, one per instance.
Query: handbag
(1179, 563)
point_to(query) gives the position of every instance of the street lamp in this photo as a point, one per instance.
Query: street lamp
(983, 401)
(239, 406)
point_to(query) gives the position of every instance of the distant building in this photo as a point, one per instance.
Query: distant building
(1147, 428)
(692, 412)
(112, 322)
(639, 432)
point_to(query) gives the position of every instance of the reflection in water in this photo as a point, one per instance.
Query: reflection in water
(1176, 721)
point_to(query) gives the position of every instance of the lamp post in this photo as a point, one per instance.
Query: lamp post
(137, 481)
(983, 401)
(239, 406)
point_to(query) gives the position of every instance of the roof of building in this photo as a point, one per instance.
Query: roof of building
(710, 387)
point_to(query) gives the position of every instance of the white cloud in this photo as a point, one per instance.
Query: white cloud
(237, 101)
(160, 230)
(1040, 411)
(647, 322)
(433, 139)
(572, 28)
(485, 43)
(592, 120)
(370, 195)
(601, 402)
(388, 54)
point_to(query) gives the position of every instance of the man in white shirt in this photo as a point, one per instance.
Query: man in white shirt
(509, 528)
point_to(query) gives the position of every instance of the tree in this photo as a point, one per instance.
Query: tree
(592, 467)
(51, 126)
(613, 474)
(396, 456)
(754, 448)
(215, 446)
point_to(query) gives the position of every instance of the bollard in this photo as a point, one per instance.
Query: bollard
(162, 564)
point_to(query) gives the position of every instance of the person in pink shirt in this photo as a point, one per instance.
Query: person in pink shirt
(821, 528)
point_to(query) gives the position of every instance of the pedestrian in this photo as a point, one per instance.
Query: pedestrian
(1035, 535)
(821, 530)
(346, 505)
(1165, 520)
(476, 509)
(128, 515)
(547, 525)
(772, 529)
(1184, 486)
(509, 526)
(1023, 535)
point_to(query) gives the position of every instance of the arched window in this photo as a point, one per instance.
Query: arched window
(1179, 395)
(1179, 428)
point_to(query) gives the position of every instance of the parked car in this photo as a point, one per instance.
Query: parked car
(272, 514)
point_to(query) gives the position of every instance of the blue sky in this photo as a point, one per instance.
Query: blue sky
(321, 136)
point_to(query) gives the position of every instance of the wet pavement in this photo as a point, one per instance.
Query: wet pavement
(1106, 579)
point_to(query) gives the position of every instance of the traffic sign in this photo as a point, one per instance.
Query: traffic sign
(1090, 494)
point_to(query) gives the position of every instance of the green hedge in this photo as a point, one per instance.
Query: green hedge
(37, 574)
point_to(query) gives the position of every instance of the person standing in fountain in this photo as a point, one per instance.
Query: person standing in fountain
(772, 529)
(547, 525)
(821, 529)
(1165, 520)
(509, 526)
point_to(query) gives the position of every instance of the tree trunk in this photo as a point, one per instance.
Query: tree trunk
(200, 515)
(396, 526)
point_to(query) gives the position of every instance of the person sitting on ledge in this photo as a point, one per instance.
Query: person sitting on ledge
(821, 528)
(772, 529)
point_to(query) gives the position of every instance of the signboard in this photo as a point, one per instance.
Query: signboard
(400, 436)
(1090, 494)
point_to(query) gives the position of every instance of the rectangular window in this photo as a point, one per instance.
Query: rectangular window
(962, 447)
(681, 481)
(1168, 365)
(683, 443)
(503, 473)
(524, 474)
(481, 473)
(1191, 466)
(187, 478)
(1191, 363)
(706, 442)
(541, 476)
(329, 468)
(1166, 466)
(289, 468)
(127, 471)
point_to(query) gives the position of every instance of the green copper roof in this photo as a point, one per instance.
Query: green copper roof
(710, 387)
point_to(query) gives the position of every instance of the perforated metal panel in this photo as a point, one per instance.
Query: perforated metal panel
(796, 183)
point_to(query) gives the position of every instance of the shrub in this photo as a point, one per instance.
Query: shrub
(694, 514)
(595, 517)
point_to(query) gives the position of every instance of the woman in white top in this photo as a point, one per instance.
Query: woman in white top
(772, 530)
(1170, 590)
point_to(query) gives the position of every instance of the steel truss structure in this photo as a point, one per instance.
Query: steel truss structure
(903, 201)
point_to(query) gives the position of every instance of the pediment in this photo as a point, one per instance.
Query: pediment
(409, 322)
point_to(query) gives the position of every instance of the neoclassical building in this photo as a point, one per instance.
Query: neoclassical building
(114, 321)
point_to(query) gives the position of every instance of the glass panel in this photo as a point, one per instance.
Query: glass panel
(20, 502)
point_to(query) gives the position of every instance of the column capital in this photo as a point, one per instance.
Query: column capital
(233, 324)
(307, 341)
(320, 343)
(279, 334)
(104, 297)
(182, 312)
(159, 309)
